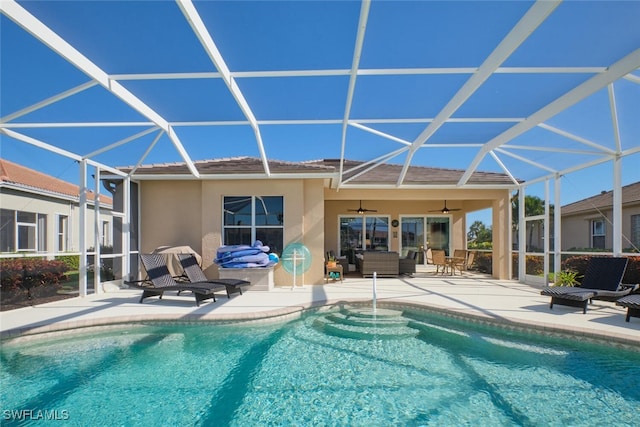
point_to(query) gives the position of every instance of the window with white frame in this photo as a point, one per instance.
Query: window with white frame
(250, 218)
(106, 233)
(22, 231)
(635, 231)
(598, 234)
(363, 232)
(62, 233)
(7, 230)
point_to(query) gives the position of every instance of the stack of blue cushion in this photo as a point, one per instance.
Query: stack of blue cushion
(245, 256)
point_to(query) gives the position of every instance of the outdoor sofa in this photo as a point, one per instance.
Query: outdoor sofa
(379, 262)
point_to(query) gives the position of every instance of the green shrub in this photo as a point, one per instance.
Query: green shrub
(72, 261)
(483, 262)
(26, 273)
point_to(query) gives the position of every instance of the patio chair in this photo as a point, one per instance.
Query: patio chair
(458, 261)
(440, 260)
(602, 281)
(471, 257)
(160, 281)
(632, 303)
(195, 274)
(429, 256)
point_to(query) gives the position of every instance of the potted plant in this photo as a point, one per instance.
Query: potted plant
(566, 278)
(331, 262)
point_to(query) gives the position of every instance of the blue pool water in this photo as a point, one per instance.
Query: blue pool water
(448, 373)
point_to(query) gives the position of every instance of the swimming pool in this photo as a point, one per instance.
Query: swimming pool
(307, 372)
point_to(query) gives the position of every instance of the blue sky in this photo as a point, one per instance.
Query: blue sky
(153, 37)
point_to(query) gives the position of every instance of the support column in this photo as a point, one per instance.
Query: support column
(82, 272)
(126, 230)
(617, 206)
(97, 232)
(501, 218)
(547, 214)
(522, 237)
(557, 226)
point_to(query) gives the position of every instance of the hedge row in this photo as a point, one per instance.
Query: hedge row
(577, 263)
(26, 273)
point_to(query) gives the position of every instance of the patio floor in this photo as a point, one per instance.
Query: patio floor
(471, 295)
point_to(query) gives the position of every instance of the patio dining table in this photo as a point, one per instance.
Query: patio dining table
(452, 262)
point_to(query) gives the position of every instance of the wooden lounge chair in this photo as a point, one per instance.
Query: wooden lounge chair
(160, 281)
(195, 274)
(632, 303)
(602, 280)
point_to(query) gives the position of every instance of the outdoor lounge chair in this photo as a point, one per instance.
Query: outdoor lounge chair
(196, 275)
(602, 281)
(160, 281)
(632, 303)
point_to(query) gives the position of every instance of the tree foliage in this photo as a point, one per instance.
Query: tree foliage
(479, 233)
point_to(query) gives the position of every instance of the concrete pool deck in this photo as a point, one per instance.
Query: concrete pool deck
(471, 295)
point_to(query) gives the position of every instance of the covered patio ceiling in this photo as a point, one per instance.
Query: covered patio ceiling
(529, 89)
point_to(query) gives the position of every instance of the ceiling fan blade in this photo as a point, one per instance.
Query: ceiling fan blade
(445, 209)
(361, 210)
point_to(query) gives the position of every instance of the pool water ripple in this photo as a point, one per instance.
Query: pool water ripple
(295, 374)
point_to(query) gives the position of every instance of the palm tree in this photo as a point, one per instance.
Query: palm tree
(533, 206)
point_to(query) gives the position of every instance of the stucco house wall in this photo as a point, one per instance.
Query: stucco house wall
(577, 218)
(576, 229)
(396, 203)
(190, 213)
(53, 207)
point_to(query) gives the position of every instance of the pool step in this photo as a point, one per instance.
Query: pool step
(366, 324)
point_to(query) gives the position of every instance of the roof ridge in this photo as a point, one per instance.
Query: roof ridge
(34, 179)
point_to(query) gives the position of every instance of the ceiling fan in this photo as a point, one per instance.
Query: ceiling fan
(362, 210)
(445, 210)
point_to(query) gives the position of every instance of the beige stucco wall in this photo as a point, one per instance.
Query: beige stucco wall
(396, 203)
(576, 229)
(52, 208)
(190, 213)
(170, 214)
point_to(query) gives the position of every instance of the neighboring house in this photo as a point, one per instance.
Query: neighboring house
(40, 213)
(587, 224)
(234, 202)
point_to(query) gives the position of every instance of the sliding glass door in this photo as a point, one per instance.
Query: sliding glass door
(363, 232)
(418, 233)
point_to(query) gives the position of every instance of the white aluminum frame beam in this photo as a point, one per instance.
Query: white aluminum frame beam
(261, 122)
(56, 43)
(534, 17)
(359, 72)
(201, 31)
(580, 92)
(353, 74)
(49, 101)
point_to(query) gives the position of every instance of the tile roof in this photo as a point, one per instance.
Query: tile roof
(232, 165)
(383, 174)
(388, 174)
(630, 195)
(14, 173)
